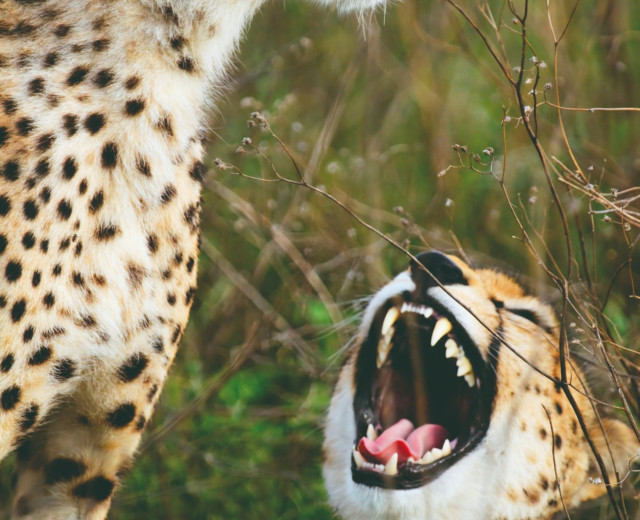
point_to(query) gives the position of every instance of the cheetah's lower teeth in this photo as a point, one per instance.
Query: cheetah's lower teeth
(436, 453)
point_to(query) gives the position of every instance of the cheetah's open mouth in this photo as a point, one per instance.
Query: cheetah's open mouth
(423, 395)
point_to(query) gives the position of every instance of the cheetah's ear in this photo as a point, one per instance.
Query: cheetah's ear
(624, 447)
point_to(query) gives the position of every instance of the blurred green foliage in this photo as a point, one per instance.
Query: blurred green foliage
(370, 112)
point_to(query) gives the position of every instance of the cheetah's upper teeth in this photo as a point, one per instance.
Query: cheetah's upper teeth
(427, 312)
(451, 348)
(464, 366)
(389, 319)
(441, 328)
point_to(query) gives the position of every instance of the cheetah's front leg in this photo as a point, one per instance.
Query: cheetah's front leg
(70, 468)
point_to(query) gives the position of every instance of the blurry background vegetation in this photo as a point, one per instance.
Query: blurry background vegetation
(371, 111)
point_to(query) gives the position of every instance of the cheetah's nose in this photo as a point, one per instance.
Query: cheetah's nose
(440, 266)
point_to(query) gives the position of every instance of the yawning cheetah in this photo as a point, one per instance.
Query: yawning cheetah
(435, 418)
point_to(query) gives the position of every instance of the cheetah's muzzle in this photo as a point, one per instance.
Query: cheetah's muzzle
(423, 395)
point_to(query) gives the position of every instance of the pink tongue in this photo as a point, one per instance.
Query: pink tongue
(405, 440)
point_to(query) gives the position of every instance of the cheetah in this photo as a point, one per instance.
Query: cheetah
(434, 417)
(102, 117)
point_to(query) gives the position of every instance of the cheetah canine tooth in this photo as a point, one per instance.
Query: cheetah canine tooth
(389, 320)
(442, 327)
(358, 458)
(391, 467)
(371, 433)
(384, 345)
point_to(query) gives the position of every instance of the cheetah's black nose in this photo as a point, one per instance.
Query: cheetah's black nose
(440, 266)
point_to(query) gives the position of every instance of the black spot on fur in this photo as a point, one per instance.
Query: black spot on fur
(11, 170)
(29, 417)
(77, 279)
(77, 76)
(177, 42)
(63, 370)
(122, 415)
(134, 107)
(186, 63)
(103, 78)
(45, 194)
(157, 345)
(192, 217)
(106, 231)
(132, 82)
(35, 279)
(152, 243)
(24, 126)
(143, 167)
(45, 141)
(109, 155)
(5, 205)
(165, 126)
(70, 124)
(6, 363)
(50, 59)
(63, 470)
(48, 300)
(3, 243)
(57, 269)
(177, 332)
(198, 171)
(10, 106)
(96, 202)
(152, 393)
(64, 209)
(30, 209)
(44, 246)
(557, 441)
(132, 368)
(62, 30)
(17, 311)
(36, 86)
(188, 297)
(98, 489)
(168, 193)
(10, 398)
(40, 356)
(82, 187)
(28, 333)
(13, 271)
(4, 135)
(140, 423)
(101, 44)
(69, 168)
(42, 168)
(94, 122)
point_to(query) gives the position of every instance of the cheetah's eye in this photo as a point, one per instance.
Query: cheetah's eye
(526, 314)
